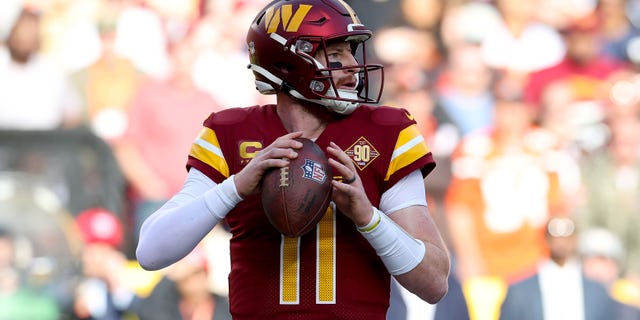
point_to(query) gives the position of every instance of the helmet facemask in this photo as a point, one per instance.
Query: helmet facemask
(368, 78)
(323, 88)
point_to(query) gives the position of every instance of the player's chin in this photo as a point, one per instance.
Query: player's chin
(348, 87)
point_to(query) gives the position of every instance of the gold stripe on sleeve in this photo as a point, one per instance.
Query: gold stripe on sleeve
(206, 148)
(410, 147)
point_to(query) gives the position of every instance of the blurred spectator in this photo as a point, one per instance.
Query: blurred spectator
(463, 105)
(103, 294)
(577, 124)
(17, 300)
(69, 34)
(602, 257)
(559, 289)
(109, 84)
(584, 67)
(221, 52)
(423, 14)
(9, 12)
(184, 293)
(506, 184)
(409, 56)
(516, 44)
(617, 30)
(463, 92)
(164, 118)
(404, 305)
(558, 14)
(140, 37)
(611, 188)
(621, 94)
(468, 22)
(36, 95)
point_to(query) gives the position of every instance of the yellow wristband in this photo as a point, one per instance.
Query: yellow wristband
(375, 221)
(400, 252)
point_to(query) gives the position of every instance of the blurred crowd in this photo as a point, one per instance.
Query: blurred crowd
(531, 109)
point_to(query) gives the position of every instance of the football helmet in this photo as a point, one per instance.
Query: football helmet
(285, 38)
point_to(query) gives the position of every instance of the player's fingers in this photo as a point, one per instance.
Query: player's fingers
(342, 189)
(274, 163)
(288, 141)
(340, 155)
(283, 147)
(344, 173)
(345, 196)
(343, 165)
(278, 153)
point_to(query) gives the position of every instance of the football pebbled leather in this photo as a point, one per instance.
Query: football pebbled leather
(296, 197)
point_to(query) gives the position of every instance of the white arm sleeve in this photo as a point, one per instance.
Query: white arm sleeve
(399, 251)
(407, 192)
(179, 225)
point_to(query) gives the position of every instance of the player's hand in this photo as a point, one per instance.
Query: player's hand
(278, 154)
(348, 193)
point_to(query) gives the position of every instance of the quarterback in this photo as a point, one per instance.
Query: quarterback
(311, 54)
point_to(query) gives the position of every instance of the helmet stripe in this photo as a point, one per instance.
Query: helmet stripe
(352, 13)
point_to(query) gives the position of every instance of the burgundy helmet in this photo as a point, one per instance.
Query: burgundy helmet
(284, 39)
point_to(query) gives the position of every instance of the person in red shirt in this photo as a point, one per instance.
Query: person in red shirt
(311, 54)
(163, 116)
(584, 67)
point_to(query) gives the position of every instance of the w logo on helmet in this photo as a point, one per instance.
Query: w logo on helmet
(290, 20)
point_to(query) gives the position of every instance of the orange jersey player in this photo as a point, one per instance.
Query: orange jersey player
(377, 225)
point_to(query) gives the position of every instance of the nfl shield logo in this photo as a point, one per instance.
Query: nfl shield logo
(313, 171)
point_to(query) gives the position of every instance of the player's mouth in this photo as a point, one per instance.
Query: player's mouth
(348, 84)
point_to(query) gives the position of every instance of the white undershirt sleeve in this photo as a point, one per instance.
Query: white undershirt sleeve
(179, 225)
(407, 192)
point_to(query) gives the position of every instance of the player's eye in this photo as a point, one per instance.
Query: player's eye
(333, 55)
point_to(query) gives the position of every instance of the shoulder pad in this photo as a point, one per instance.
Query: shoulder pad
(391, 116)
(227, 116)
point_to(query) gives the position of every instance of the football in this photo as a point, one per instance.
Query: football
(296, 197)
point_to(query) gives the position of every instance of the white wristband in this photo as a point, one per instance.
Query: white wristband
(399, 251)
(222, 198)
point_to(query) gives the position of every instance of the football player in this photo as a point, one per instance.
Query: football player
(311, 54)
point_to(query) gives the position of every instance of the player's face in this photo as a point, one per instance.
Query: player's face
(339, 55)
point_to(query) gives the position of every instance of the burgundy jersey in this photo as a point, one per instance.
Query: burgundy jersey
(332, 272)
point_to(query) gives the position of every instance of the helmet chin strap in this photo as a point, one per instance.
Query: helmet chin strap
(341, 106)
(337, 106)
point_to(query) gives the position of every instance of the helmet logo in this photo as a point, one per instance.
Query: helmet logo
(291, 21)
